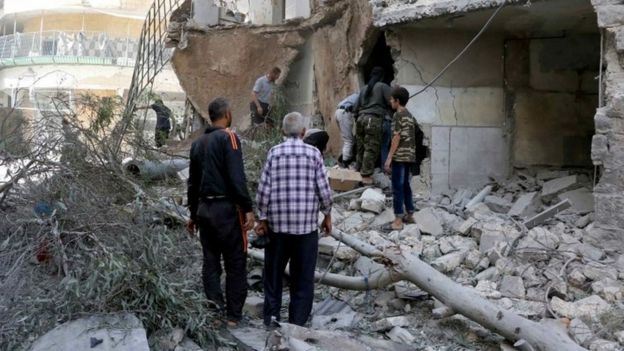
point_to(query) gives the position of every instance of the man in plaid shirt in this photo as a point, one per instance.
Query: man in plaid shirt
(293, 188)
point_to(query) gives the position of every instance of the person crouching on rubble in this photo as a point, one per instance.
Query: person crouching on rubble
(317, 138)
(293, 188)
(220, 205)
(401, 157)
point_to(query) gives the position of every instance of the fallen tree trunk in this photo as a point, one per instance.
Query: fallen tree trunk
(377, 280)
(468, 302)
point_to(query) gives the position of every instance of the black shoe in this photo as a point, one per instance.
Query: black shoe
(341, 162)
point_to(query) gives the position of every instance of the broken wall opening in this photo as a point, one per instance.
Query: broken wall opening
(380, 55)
(524, 95)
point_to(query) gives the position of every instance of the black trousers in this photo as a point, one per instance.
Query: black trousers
(301, 251)
(221, 235)
(257, 118)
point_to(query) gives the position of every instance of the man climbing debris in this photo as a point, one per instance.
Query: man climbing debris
(163, 121)
(261, 96)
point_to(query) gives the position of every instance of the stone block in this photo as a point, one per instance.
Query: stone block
(525, 205)
(512, 286)
(373, 201)
(604, 345)
(428, 222)
(253, 306)
(580, 332)
(597, 271)
(582, 200)
(609, 289)
(497, 204)
(610, 15)
(556, 186)
(390, 322)
(492, 273)
(488, 290)
(449, 262)
(590, 307)
(473, 259)
(454, 243)
(400, 335)
(599, 148)
(547, 214)
(464, 227)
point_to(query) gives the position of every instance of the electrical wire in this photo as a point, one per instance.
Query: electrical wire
(474, 40)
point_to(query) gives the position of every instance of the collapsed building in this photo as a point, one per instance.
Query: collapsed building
(537, 88)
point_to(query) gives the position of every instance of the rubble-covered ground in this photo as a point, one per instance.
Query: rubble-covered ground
(536, 265)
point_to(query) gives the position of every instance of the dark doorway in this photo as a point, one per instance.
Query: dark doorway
(380, 56)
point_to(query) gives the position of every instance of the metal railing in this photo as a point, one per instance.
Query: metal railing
(75, 47)
(152, 55)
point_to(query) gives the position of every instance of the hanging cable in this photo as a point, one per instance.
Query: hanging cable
(474, 40)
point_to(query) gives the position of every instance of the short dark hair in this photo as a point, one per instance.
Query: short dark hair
(276, 70)
(217, 108)
(401, 95)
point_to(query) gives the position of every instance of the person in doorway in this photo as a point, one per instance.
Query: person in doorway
(261, 96)
(293, 188)
(221, 207)
(401, 157)
(345, 119)
(163, 121)
(372, 107)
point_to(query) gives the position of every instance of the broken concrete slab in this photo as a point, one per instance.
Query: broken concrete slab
(254, 338)
(384, 217)
(488, 289)
(580, 332)
(373, 200)
(512, 286)
(464, 227)
(461, 197)
(448, 263)
(410, 231)
(582, 200)
(525, 205)
(119, 332)
(453, 243)
(590, 251)
(547, 214)
(620, 337)
(554, 187)
(597, 271)
(428, 222)
(367, 266)
(473, 259)
(340, 316)
(584, 221)
(400, 335)
(604, 345)
(548, 175)
(610, 289)
(390, 322)
(253, 306)
(492, 274)
(590, 307)
(497, 204)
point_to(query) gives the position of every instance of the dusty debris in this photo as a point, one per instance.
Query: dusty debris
(428, 222)
(373, 200)
(122, 332)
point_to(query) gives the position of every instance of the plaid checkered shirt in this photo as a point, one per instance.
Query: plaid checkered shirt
(293, 187)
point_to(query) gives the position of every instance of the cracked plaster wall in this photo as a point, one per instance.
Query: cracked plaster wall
(463, 112)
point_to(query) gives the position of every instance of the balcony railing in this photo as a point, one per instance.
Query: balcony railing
(74, 47)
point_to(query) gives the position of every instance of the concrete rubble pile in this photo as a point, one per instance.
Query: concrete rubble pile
(527, 245)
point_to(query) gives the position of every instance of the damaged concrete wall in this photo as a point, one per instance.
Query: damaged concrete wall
(608, 143)
(463, 113)
(226, 62)
(552, 94)
(318, 68)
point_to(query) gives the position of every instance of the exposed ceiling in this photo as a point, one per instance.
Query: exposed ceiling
(543, 17)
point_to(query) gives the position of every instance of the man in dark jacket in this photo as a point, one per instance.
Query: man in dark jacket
(163, 121)
(221, 206)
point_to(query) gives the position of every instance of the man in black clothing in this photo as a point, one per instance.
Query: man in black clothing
(163, 121)
(221, 206)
